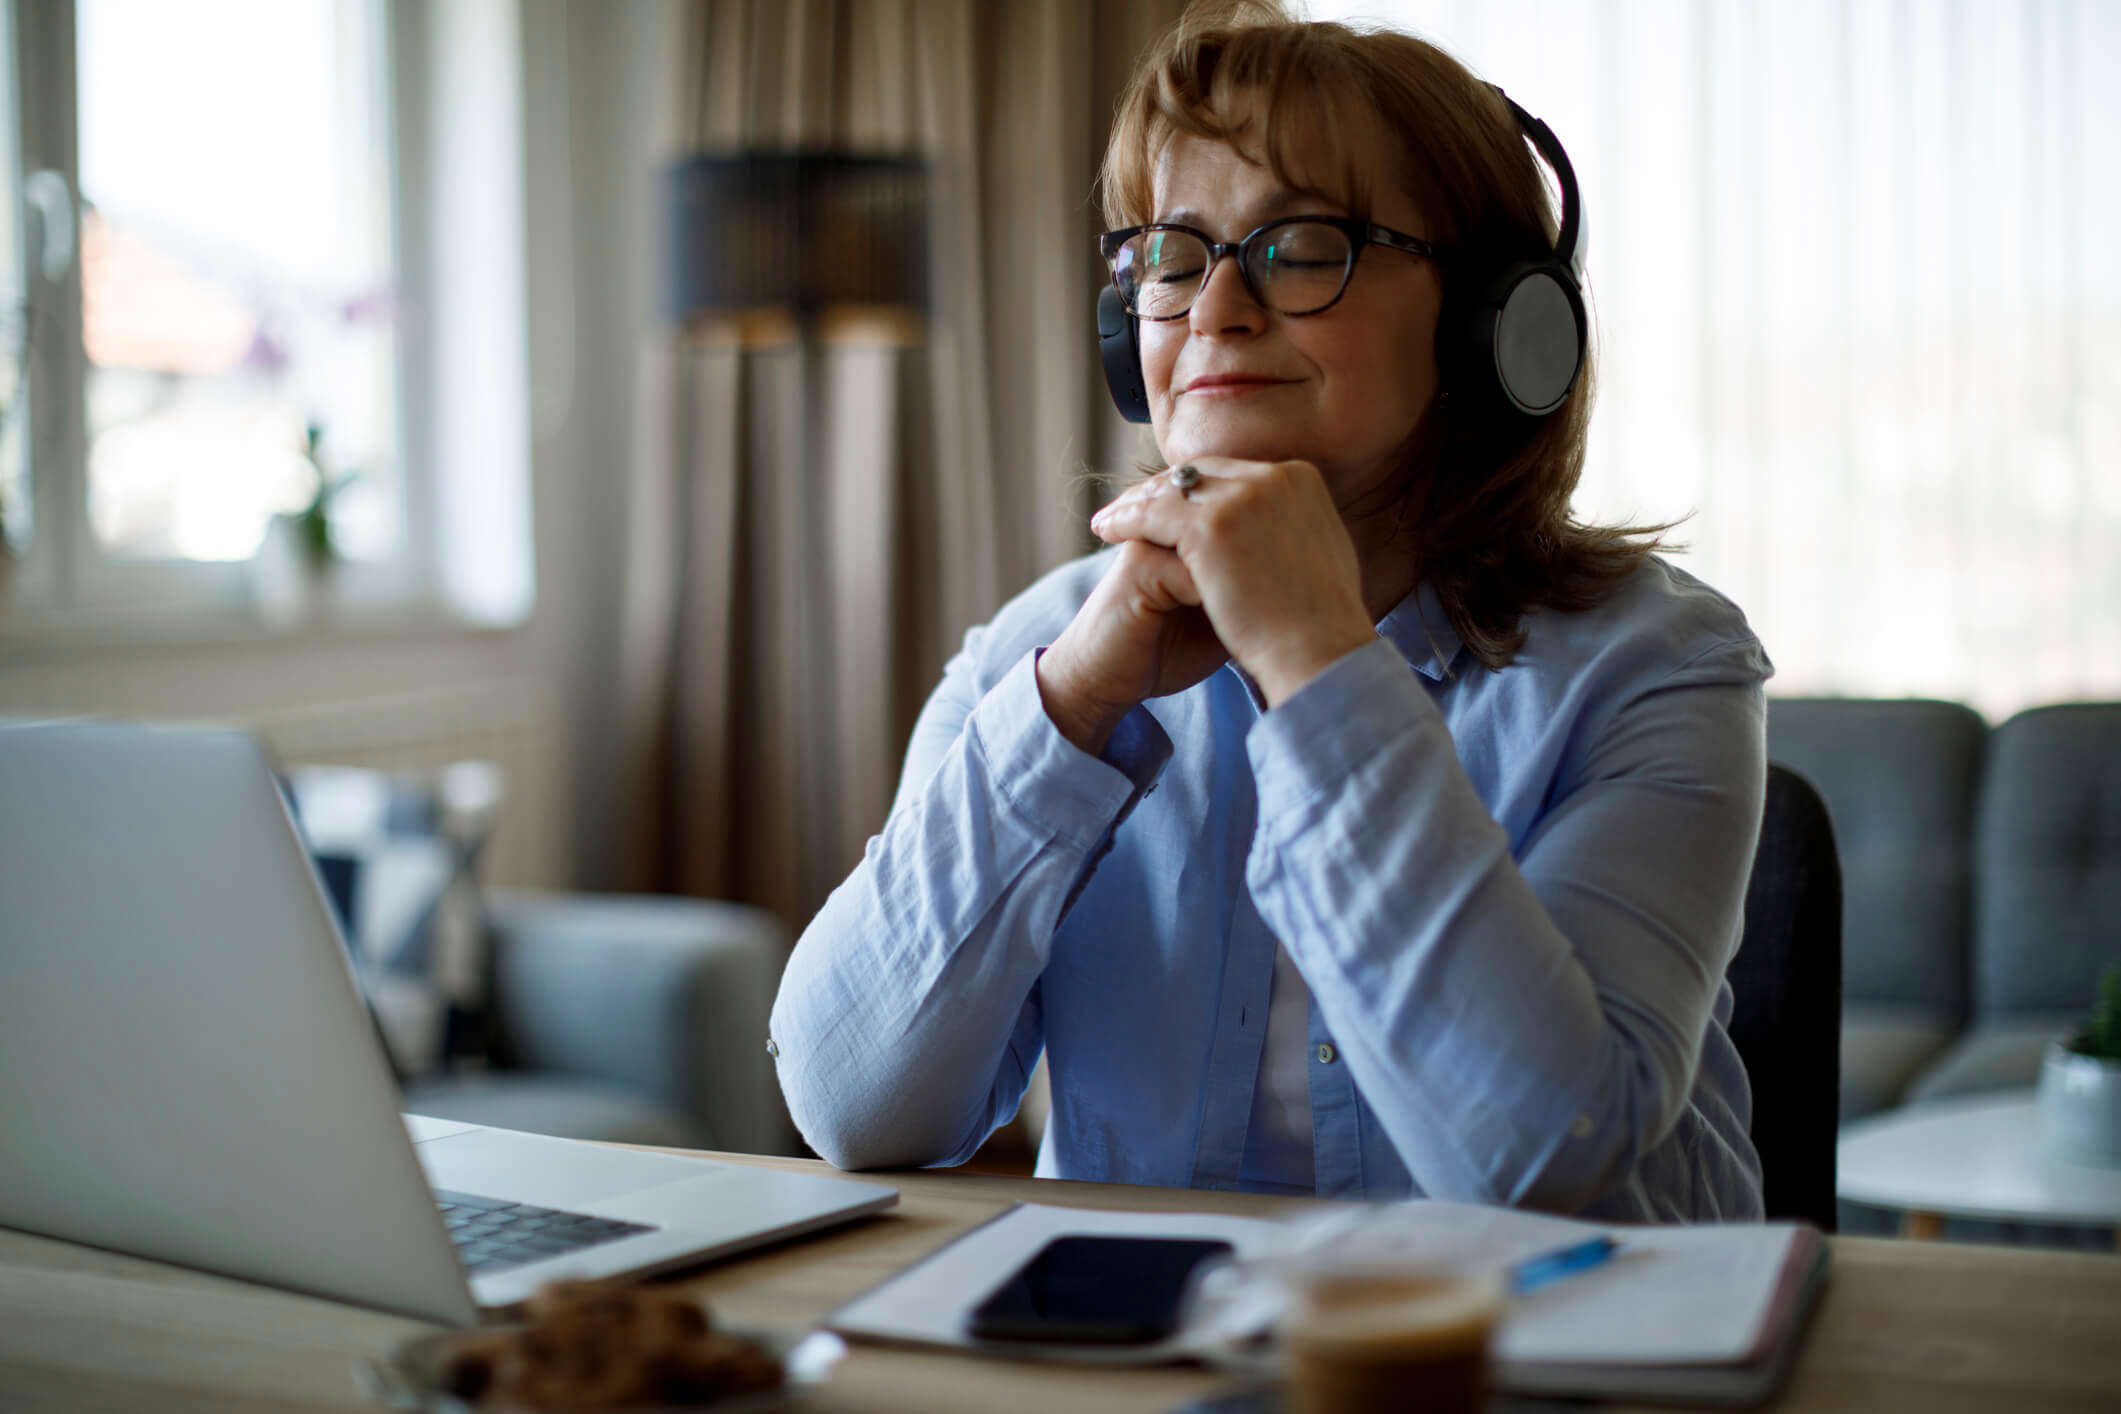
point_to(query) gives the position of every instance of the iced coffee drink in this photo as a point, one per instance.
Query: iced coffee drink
(1365, 1341)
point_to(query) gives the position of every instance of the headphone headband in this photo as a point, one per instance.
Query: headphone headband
(1569, 244)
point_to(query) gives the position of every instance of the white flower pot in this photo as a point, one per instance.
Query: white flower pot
(2080, 1106)
(287, 587)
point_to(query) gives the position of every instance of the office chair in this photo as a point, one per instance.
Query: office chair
(1786, 989)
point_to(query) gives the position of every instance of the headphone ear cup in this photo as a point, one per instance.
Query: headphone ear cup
(1121, 353)
(1520, 340)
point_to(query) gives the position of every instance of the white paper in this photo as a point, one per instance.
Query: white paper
(928, 1303)
(1670, 1296)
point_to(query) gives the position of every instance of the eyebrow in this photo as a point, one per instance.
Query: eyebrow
(1290, 202)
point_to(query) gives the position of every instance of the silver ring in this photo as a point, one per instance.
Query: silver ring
(1186, 478)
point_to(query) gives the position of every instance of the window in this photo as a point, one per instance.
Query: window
(14, 310)
(237, 285)
(248, 366)
(1855, 315)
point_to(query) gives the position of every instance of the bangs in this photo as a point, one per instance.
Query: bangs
(1287, 95)
(1335, 112)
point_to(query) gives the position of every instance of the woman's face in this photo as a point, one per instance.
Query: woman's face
(1342, 388)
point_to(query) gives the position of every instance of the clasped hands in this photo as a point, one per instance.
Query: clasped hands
(1251, 563)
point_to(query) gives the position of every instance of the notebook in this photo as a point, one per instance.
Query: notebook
(1701, 1315)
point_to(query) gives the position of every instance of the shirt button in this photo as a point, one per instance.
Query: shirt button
(773, 1047)
(1581, 1129)
(1326, 1053)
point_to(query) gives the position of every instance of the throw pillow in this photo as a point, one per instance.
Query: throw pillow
(398, 854)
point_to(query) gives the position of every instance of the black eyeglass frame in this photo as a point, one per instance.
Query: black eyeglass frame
(1359, 233)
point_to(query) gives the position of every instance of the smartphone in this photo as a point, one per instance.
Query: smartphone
(1104, 1290)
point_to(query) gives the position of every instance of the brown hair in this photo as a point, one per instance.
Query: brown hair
(1484, 497)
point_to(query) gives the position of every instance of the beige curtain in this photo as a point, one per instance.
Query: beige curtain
(815, 521)
(1858, 315)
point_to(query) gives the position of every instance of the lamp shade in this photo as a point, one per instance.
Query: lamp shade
(805, 230)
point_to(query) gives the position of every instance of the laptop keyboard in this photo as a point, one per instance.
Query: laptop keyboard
(491, 1233)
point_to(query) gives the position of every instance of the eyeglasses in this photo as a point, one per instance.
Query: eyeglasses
(1299, 265)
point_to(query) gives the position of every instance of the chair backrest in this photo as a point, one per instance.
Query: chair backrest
(1786, 999)
(2048, 860)
(1900, 778)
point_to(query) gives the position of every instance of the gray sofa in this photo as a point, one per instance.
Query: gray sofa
(1981, 883)
(629, 1018)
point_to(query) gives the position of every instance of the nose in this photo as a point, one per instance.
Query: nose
(1225, 304)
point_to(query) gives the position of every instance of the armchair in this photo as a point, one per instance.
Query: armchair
(630, 1018)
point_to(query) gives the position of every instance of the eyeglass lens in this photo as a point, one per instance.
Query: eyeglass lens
(1295, 268)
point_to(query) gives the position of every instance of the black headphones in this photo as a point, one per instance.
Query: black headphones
(1509, 339)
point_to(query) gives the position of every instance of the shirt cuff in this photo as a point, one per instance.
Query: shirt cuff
(1046, 779)
(1138, 749)
(1367, 702)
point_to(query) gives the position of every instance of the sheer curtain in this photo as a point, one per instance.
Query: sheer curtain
(1857, 313)
(816, 518)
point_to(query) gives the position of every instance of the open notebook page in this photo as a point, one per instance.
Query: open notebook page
(1670, 1296)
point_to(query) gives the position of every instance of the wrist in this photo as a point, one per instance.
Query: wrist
(1086, 723)
(1281, 676)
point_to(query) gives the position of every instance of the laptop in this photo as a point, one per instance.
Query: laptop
(188, 1073)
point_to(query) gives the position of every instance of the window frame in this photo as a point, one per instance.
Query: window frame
(64, 583)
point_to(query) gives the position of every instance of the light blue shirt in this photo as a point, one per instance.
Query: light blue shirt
(1512, 896)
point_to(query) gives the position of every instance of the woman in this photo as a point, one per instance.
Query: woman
(1356, 823)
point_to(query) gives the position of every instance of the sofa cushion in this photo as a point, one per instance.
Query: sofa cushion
(2048, 860)
(668, 997)
(2002, 1055)
(1899, 779)
(1883, 1050)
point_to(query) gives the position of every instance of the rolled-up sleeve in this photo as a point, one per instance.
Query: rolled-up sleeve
(1526, 1021)
(908, 1019)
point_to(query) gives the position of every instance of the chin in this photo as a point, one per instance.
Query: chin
(1273, 442)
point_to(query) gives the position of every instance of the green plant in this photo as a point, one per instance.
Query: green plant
(313, 521)
(2101, 1036)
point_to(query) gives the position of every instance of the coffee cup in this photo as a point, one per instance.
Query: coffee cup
(1388, 1336)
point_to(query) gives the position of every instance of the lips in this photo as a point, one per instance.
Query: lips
(1234, 382)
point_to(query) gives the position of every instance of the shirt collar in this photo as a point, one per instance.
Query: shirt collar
(1419, 628)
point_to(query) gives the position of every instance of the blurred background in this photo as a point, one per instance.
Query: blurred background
(1845, 260)
(645, 397)
(352, 392)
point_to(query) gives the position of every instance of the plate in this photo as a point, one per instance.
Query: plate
(411, 1376)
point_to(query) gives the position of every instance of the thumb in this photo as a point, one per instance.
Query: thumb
(1163, 578)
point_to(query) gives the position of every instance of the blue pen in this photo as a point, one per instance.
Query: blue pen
(1535, 1272)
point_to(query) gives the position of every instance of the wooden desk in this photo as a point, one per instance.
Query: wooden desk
(1932, 1327)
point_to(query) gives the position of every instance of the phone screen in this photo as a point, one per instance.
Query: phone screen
(1118, 1290)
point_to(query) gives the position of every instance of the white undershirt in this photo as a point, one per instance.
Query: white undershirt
(1278, 1140)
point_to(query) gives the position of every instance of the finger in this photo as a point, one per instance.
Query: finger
(1158, 576)
(1189, 476)
(1175, 479)
(1160, 520)
(1222, 468)
(1156, 484)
